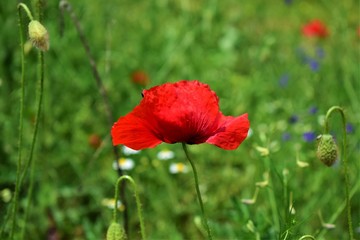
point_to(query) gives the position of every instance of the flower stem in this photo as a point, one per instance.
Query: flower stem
(26, 9)
(21, 114)
(64, 5)
(344, 161)
(307, 237)
(30, 161)
(137, 199)
(204, 219)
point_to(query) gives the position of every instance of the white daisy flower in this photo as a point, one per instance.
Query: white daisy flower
(129, 151)
(165, 154)
(124, 164)
(110, 203)
(178, 168)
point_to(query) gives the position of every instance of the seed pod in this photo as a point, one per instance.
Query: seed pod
(38, 35)
(327, 150)
(115, 232)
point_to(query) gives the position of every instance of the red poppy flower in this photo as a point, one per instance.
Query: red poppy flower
(186, 111)
(315, 28)
(140, 77)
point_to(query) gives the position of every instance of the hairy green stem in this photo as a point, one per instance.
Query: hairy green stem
(204, 219)
(21, 116)
(30, 161)
(137, 199)
(64, 5)
(26, 9)
(344, 161)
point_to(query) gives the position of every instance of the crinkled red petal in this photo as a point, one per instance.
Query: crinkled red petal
(231, 133)
(185, 111)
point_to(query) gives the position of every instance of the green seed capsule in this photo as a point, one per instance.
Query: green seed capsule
(115, 232)
(327, 150)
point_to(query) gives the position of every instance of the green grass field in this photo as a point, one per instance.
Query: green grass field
(253, 54)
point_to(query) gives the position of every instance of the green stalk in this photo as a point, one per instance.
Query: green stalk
(30, 160)
(204, 219)
(137, 199)
(345, 163)
(307, 237)
(21, 116)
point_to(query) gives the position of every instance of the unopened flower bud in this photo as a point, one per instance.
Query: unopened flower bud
(38, 35)
(115, 232)
(327, 150)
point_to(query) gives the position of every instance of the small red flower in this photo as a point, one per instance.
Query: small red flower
(185, 111)
(140, 77)
(94, 141)
(315, 28)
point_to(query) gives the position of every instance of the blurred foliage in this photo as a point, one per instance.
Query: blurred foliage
(253, 56)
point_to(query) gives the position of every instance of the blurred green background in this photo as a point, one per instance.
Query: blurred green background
(251, 53)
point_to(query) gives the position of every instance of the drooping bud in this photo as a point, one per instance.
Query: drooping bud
(115, 232)
(327, 150)
(38, 35)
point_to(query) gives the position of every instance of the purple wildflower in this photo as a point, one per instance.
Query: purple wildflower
(314, 65)
(293, 119)
(309, 136)
(313, 110)
(350, 128)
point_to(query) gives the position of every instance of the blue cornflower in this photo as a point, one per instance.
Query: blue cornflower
(288, 2)
(314, 65)
(309, 136)
(293, 119)
(350, 128)
(313, 110)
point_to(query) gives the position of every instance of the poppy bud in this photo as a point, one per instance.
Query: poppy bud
(115, 232)
(327, 150)
(38, 35)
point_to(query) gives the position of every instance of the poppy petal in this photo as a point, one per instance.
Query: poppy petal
(186, 111)
(231, 133)
(134, 133)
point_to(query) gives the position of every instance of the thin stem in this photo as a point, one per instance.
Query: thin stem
(204, 219)
(345, 163)
(307, 237)
(30, 161)
(21, 114)
(26, 9)
(137, 199)
(65, 5)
